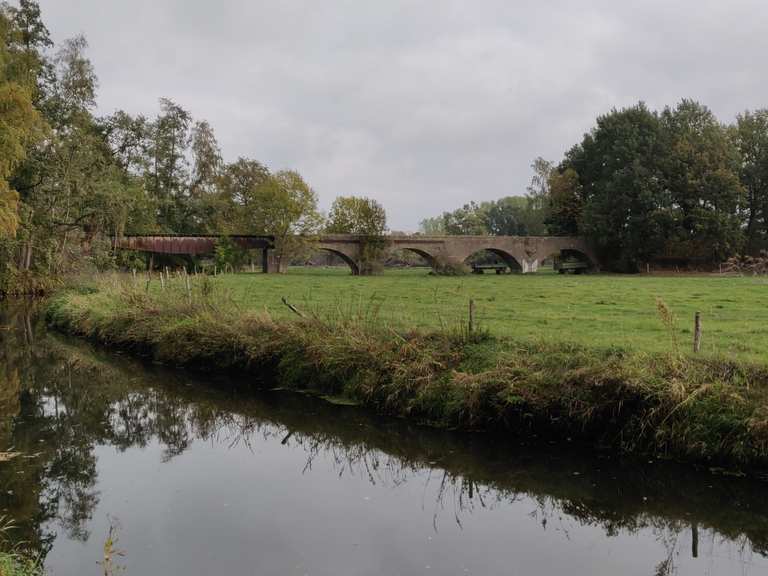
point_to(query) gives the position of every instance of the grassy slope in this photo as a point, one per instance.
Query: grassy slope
(601, 311)
(703, 409)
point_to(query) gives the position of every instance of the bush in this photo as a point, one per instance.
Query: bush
(228, 255)
(444, 267)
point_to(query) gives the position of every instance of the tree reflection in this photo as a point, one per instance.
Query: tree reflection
(59, 400)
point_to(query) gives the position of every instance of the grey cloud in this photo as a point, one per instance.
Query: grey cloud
(422, 105)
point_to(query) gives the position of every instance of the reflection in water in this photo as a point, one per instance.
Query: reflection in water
(76, 414)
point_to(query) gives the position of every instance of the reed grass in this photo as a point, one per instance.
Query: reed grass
(14, 561)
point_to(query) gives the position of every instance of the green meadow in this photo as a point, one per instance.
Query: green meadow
(595, 310)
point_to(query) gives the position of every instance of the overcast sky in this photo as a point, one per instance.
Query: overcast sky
(423, 105)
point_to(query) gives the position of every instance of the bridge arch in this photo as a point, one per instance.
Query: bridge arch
(429, 258)
(507, 258)
(348, 260)
(575, 254)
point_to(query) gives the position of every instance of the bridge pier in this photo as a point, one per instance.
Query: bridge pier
(529, 265)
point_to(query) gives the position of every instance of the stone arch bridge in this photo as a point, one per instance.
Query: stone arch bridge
(520, 253)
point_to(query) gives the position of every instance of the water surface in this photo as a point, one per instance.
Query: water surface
(199, 478)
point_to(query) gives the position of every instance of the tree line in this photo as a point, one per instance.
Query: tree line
(73, 182)
(674, 186)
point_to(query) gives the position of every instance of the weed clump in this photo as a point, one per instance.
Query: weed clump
(445, 267)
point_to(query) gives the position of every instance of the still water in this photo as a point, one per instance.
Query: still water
(198, 479)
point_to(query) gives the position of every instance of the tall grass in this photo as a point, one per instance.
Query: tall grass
(14, 560)
(706, 410)
(594, 310)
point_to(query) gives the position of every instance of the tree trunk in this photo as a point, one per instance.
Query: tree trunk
(751, 222)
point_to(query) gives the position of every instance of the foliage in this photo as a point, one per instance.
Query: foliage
(166, 180)
(364, 217)
(445, 267)
(565, 202)
(513, 216)
(71, 183)
(537, 198)
(468, 220)
(623, 187)
(130, 260)
(652, 186)
(286, 207)
(751, 136)
(702, 172)
(20, 123)
(432, 226)
(238, 195)
(228, 255)
(206, 174)
(356, 215)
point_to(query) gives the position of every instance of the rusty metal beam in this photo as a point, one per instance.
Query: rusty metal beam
(191, 244)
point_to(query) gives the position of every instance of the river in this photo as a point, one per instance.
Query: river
(197, 475)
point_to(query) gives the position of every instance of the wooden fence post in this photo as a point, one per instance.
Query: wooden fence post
(471, 316)
(189, 289)
(697, 332)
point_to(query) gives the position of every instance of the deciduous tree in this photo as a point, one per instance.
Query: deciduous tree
(20, 123)
(565, 203)
(355, 215)
(626, 203)
(702, 172)
(169, 170)
(286, 207)
(751, 136)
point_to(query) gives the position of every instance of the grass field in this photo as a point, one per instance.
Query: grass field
(596, 310)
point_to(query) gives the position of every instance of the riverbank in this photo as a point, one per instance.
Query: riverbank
(707, 410)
